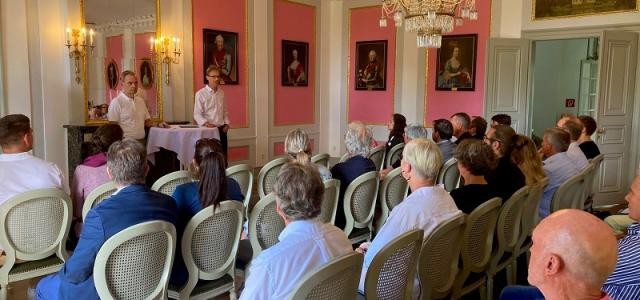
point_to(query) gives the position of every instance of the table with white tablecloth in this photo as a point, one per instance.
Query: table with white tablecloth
(181, 140)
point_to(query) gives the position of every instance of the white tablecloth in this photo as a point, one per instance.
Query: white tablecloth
(182, 141)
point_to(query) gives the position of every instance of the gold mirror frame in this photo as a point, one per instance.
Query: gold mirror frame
(158, 75)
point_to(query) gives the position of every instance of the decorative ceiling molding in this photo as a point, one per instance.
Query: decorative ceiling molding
(137, 24)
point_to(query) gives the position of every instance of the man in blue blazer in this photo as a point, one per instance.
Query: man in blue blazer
(131, 204)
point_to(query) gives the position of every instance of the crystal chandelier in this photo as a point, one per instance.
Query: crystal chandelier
(430, 19)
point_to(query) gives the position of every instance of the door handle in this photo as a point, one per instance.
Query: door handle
(601, 130)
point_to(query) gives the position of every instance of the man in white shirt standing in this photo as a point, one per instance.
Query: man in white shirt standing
(19, 170)
(210, 109)
(305, 244)
(129, 110)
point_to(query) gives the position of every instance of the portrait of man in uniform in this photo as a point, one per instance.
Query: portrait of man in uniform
(221, 51)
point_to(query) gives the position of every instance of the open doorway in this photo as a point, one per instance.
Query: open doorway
(565, 79)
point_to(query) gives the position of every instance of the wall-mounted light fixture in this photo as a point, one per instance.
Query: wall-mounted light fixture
(162, 53)
(77, 44)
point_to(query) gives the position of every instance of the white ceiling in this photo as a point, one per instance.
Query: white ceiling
(105, 11)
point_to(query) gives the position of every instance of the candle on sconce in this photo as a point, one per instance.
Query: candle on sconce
(151, 42)
(68, 35)
(178, 44)
(84, 36)
(175, 44)
(91, 33)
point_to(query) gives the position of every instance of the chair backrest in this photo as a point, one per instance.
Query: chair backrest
(336, 280)
(35, 226)
(360, 201)
(566, 194)
(392, 270)
(586, 186)
(265, 224)
(449, 175)
(167, 184)
(590, 180)
(98, 195)
(392, 191)
(268, 174)
(477, 239)
(210, 243)
(135, 263)
(508, 225)
(321, 159)
(530, 212)
(243, 175)
(438, 264)
(394, 154)
(377, 156)
(344, 157)
(330, 201)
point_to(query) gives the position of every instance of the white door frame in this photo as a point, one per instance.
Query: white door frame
(557, 34)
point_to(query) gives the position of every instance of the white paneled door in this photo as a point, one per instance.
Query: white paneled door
(615, 115)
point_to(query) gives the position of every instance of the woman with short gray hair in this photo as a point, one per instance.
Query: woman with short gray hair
(428, 206)
(305, 244)
(358, 142)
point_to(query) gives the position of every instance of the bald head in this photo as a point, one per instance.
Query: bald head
(571, 247)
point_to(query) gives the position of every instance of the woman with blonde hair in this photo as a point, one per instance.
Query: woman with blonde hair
(525, 155)
(298, 148)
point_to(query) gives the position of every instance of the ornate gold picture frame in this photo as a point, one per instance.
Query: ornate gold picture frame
(553, 9)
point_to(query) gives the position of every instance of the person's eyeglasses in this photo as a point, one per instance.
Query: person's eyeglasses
(486, 138)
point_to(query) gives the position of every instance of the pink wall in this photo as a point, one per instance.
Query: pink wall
(293, 105)
(238, 153)
(373, 107)
(442, 104)
(142, 53)
(226, 16)
(114, 52)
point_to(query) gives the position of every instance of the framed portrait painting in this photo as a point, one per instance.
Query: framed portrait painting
(548, 9)
(371, 65)
(221, 50)
(295, 63)
(146, 74)
(456, 63)
(112, 74)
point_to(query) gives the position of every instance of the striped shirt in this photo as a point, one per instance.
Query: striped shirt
(624, 282)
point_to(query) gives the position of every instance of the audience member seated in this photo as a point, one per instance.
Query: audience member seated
(587, 145)
(304, 245)
(460, 122)
(501, 119)
(131, 204)
(475, 160)
(427, 207)
(557, 165)
(298, 147)
(573, 126)
(506, 178)
(212, 187)
(442, 133)
(396, 128)
(357, 140)
(19, 170)
(525, 155)
(567, 261)
(411, 132)
(93, 170)
(624, 282)
(478, 127)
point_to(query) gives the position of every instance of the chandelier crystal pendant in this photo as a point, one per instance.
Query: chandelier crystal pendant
(430, 19)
